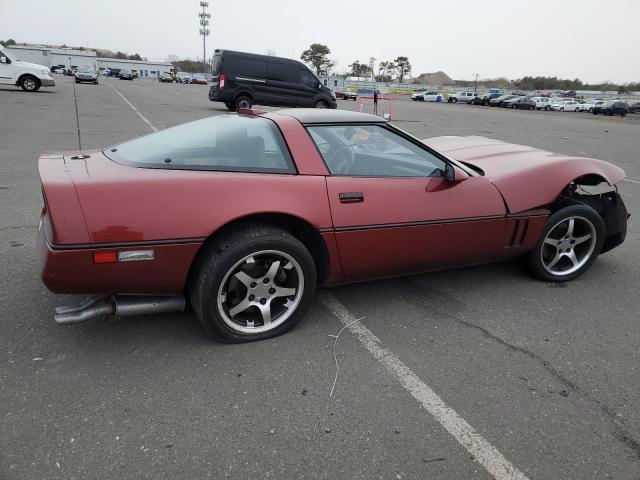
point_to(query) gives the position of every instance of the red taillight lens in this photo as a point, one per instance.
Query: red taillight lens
(105, 257)
(221, 82)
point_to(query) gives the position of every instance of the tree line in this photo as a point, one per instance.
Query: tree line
(317, 56)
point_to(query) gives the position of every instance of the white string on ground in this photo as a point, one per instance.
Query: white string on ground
(335, 357)
(483, 452)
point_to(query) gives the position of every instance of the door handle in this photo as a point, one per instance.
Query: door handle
(351, 197)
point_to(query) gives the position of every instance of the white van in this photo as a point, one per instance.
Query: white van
(542, 103)
(29, 76)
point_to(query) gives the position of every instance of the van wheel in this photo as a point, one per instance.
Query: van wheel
(29, 83)
(321, 104)
(243, 101)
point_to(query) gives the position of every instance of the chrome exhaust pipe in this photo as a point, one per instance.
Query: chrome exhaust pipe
(118, 306)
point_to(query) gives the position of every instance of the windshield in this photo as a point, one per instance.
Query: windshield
(233, 143)
(85, 70)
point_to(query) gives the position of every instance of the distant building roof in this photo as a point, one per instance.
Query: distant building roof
(138, 62)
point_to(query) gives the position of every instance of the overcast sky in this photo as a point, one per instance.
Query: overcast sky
(589, 39)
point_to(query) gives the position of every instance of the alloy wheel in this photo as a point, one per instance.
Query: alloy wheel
(568, 246)
(260, 292)
(29, 84)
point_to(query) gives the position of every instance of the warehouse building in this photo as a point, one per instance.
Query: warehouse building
(144, 68)
(51, 57)
(68, 57)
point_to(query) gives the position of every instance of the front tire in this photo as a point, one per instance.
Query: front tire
(570, 242)
(253, 284)
(321, 104)
(29, 83)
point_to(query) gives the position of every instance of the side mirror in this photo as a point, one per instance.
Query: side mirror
(453, 175)
(4, 60)
(449, 173)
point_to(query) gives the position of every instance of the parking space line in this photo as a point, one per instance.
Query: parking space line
(632, 181)
(483, 452)
(144, 119)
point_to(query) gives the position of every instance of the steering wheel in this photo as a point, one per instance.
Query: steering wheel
(342, 161)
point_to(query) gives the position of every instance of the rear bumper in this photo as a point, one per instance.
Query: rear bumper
(72, 270)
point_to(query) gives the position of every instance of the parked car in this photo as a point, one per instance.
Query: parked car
(125, 74)
(241, 79)
(613, 107)
(183, 77)
(71, 71)
(430, 96)
(542, 103)
(86, 74)
(28, 76)
(165, 78)
(498, 101)
(466, 97)
(289, 188)
(485, 99)
(521, 103)
(634, 107)
(564, 105)
(588, 105)
(199, 79)
(346, 94)
(59, 69)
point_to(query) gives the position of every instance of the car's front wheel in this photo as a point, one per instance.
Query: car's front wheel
(571, 241)
(29, 83)
(254, 284)
(321, 104)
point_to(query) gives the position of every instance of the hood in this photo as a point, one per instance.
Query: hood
(526, 176)
(35, 66)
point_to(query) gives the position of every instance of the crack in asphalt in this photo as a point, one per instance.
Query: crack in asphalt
(75, 99)
(620, 433)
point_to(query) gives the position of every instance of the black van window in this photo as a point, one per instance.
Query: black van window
(308, 79)
(281, 72)
(249, 68)
(215, 66)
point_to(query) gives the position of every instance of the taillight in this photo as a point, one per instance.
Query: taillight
(221, 87)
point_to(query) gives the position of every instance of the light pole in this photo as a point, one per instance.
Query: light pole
(475, 85)
(204, 30)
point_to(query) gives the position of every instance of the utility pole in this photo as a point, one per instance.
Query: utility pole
(204, 30)
(475, 86)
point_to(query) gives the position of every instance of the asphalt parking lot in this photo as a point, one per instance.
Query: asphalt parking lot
(547, 374)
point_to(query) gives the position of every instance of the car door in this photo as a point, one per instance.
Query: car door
(281, 88)
(393, 210)
(306, 88)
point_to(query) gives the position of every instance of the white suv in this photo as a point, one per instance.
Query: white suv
(466, 97)
(29, 76)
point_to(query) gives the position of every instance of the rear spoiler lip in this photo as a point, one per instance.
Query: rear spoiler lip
(63, 208)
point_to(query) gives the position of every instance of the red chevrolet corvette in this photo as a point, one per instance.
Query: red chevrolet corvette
(245, 214)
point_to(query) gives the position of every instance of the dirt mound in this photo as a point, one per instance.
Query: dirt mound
(434, 78)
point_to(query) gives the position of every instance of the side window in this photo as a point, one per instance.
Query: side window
(308, 79)
(373, 151)
(224, 143)
(281, 72)
(251, 68)
(335, 83)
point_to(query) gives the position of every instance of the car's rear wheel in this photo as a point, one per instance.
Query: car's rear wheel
(546, 108)
(531, 108)
(29, 83)
(570, 243)
(513, 107)
(561, 109)
(242, 101)
(254, 284)
(321, 104)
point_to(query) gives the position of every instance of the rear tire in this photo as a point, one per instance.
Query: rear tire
(546, 109)
(242, 101)
(237, 284)
(570, 242)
